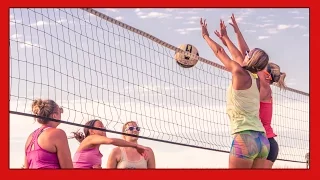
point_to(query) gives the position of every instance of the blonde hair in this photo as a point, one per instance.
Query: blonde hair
(125, 125)
(277, 76)
(258, 60)
(44, 108)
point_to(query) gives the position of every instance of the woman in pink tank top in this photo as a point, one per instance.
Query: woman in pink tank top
(130, 158)
(88, 155)
(267, 77)
(47, 147)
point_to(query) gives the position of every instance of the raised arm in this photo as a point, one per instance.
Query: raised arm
(97, 140)
(242, 43)
(236, 54)
(218, 50)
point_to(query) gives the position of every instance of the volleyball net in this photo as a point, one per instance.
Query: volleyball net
(97, 67)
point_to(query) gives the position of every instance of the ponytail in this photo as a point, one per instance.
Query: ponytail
(281, 83)
(252, 69)
(79, 136)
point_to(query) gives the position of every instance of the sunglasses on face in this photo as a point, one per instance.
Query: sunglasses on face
(269, 77)
(131, 128)
(269, 71)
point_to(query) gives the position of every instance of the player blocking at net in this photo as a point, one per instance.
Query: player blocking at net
(271, 74)
(250, 146)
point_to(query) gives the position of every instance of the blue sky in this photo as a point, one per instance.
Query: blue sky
(282, 32)
(95, 69)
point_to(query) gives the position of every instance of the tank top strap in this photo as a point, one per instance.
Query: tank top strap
(123, 154)
(35, 135)
(34, 140)
(253, 75)
(38, 134)
(254, 78)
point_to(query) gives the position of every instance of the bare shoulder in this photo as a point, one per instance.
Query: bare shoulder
(237, 69)
(115, 154)
(116, 151)
(241, 79)
(150, 151)
(240, 72)
(55, 132)
(28, 140)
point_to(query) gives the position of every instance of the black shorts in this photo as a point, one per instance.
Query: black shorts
(274, 150)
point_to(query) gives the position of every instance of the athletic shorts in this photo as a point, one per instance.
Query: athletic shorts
(274, 150)
(250, 145)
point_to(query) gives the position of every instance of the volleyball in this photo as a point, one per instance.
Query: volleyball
(184, 60)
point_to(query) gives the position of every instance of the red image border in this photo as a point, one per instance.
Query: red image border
(157, 173)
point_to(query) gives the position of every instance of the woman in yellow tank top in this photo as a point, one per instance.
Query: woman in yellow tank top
(250, 146)
(267, 77)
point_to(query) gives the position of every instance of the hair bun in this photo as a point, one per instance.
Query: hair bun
(36, 106)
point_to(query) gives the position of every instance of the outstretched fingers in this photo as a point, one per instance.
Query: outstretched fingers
(203, 22)
(216, 32)
(222, 25)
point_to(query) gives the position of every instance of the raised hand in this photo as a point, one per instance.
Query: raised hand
(204, 28)
(216, 32)
(234, 24)
(223, 29)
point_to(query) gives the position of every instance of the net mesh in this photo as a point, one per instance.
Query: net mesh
(99, 68)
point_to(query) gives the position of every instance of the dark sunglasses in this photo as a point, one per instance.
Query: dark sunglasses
(131, 128)
(270, 72)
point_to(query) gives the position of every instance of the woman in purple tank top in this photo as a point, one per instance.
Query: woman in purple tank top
(47, 147)
(88, 155)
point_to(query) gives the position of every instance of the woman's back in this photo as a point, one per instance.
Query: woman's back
(38, 157)
(243, 107)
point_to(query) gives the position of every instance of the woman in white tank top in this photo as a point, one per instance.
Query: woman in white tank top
(129, 158)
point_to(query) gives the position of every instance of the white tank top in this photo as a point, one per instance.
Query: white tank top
(126, 164)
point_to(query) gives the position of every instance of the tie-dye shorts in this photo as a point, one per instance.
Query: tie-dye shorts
(250, 145)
